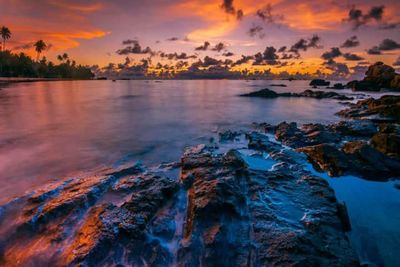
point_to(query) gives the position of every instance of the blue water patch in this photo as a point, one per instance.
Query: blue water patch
(257, 161)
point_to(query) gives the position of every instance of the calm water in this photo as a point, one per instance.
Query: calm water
(52, 130)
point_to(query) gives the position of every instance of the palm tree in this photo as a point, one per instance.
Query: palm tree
(63, 57)
(40, 46)
(5, 34)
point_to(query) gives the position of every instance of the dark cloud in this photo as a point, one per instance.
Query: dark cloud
(333, 53)
(388, 45)
(340, 70)
(389, 26)
(173, 39)
(352, 57)
(219, 47)
(203, 47)
(282, 49)
(304, 44)
(239, 14)
(265, 14)
(374, 51)
(228, 7)
(243, 60)
(228, 54)
(385, 45)
(289, 56)
(130, 42)
(351, 42)
(268, 57)
(182, 64)
(256, 30)
(133, 47)
(209, 61)
(358, 18)
(23, 46)
(176, 56)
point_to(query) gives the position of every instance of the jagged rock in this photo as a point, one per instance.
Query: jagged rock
(309, 134)
(267, 93)
(74, 222)
(365, 86)
(387, 143)
(228, 136)
(328, 158)
(395, 83)
(358, 129)
(264, 93)
(386, 108)
(338, 86)
(319, 82)
(237, 217)
(378, 76)
(357, 158)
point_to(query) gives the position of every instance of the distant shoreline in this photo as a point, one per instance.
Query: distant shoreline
(21, 80)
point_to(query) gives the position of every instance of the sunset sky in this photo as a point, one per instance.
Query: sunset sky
(125, 31)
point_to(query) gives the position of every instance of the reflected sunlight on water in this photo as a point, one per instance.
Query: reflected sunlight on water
(50, 130)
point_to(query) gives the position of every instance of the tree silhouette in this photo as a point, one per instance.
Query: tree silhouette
(40, 46)
(5, 34)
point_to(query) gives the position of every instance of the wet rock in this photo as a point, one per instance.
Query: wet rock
(322, 94)
(384, 109)
(74, 222)
(378, 76)
(328, 158)
(264, 93)
(358, 129)
(365, 86)
(307, 135)
(338, 86)
(228, 136)
(319, 82)
(267, 93)
(387, 143)
(357, 158)
(278, 85)
(237, 217)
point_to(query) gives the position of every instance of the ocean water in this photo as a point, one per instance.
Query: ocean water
(49, 130)
(53, 130)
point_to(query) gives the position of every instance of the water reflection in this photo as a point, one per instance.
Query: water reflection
(50, 130)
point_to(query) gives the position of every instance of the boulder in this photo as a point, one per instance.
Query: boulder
(264, 93)
(267, 93)
(386, 108)
(378, 76)
(240, 217)
(319, 82)
(338, 86)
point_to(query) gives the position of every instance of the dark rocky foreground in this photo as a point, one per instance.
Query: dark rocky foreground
(220, 212)
(250, 200)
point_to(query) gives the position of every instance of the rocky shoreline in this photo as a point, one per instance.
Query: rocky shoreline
(250, 199)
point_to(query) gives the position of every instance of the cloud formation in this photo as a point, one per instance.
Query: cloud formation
(203, 47)
(227, 6)
(385, 45)
(133, 47)
(358, 18)
(351, 42)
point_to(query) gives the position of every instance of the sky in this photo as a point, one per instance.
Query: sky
(219, 36)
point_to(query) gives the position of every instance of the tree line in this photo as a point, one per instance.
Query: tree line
(22, 65)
